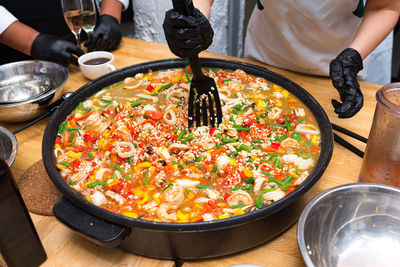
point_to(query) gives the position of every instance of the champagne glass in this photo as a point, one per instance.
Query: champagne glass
(72, 10)
(89, 15)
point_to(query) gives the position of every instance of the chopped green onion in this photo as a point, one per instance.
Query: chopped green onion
(306, 155)
(199, 166)
(199, 159)
(136, 104)
(249, 180)
(243, 147)
(90, 155)
(72, 128)
(93, 184)
(146, 180)
(128, 177)
(227, 140)
(62, 127)
(288, 179)
(71, 183)
(64, 163)
(257, 141)
(308, 144)
(117, 167)
(181, 134)
(283, 137)
(258, 201)
(298, 172)
(237, 206)
(203, 186)
(188, 138)
(227, 80)
(215, 168)
(296, 136)
(242, 129)
(165, 87)
(106, 101)
(130, 160)
(267, 173)
(279, 182)
(79, 106)
(71, 137)
(168, 186)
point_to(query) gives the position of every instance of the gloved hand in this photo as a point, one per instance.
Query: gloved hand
(187, 35)
(53, 48)
(343, 71)
(106, 36)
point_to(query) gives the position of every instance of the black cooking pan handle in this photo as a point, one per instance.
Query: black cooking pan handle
(99, 231)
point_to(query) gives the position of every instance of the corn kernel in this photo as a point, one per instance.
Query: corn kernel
(247, 172)
(238, 211)
(144, 200)
(182, 216)
(157, 87)
(138, 191)
(152, 169)
(225, 216)
(315, 139)
(176, 79)
(276, 87)
(260, 104)
(174, 109)
(156, 220)
(285, 93)
(74, 155)
(144, 165)
(88, 198)
(156, 198)
(130, 214)
(278, 103)
(57, 146)
(145, 78)
(113, 182)
(232, 162)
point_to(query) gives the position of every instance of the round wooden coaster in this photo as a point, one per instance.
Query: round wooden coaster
(37, 190)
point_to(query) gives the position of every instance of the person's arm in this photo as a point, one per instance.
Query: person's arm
(107, 35)
(204, 6)
(380, 17)
(19, 37)
(112, 8)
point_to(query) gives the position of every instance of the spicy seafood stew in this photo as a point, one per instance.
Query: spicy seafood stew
(127, 148)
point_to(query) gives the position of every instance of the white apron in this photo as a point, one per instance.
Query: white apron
(305, 35)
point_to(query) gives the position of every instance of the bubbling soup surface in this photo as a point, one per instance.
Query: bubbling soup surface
(127, 149)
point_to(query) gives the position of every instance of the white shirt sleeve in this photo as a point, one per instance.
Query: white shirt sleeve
(6, 19)
(125, 4)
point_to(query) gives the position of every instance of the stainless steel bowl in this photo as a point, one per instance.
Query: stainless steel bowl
(27, 87)
(8, 146)
(351, 225)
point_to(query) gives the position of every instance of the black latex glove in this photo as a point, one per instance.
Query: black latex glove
(187, 35)
(106, 36)
(53, 48)
(343, 71)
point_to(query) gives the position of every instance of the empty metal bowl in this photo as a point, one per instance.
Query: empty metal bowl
(8, 146)
(351, 225)
(27, 87)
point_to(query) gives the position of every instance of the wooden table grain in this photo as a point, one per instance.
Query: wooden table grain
(65, 248)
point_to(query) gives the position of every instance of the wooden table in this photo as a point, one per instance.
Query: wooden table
(65, 248)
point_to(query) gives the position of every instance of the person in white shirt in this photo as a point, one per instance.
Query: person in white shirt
(37, 29)
(301, 35)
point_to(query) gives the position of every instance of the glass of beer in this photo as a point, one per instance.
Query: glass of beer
(381, 162)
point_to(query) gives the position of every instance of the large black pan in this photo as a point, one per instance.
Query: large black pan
(182, 240)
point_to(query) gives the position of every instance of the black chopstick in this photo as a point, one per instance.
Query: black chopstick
(347, 145)
(349, 133)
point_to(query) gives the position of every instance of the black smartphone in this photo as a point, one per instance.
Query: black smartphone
(19, 242)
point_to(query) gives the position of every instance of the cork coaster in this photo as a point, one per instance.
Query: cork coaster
(37, 190)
